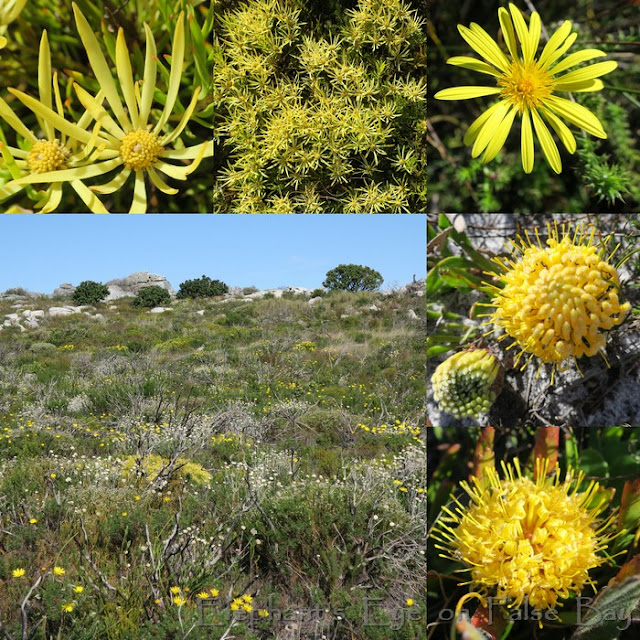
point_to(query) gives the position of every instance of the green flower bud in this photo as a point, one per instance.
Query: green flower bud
(467, 383)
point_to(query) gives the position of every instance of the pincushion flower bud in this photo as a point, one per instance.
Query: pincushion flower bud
(558, 301)
(467, 383)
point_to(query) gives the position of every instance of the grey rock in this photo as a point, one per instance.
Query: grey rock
(373, 307)
(412, 315)
(315, 300)
(61, 311)
(64, 290)
(160, 309)
(129, 286)
(200, 312)
(31, 323)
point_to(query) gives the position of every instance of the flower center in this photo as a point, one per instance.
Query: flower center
(525, 85)
(45, 156)
(140, 149)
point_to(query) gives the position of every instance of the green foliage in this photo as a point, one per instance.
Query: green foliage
(320, 119)
(90, 292)
(352, 277)
(153, 296)
(203, 287)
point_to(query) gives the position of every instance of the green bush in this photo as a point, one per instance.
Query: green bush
(153, 296)
(352, 277)
(320, 119)
(90, 292)
(203, 287)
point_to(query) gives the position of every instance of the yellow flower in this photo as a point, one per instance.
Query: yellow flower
(68, 608)
(33, 521)
(247, 607)
(527, 538)
(247, 598)
(527, 87)
(558, 301)
(467, 383)
(263, 613)
(78, 589)
(52, 476)
(234, 606)
(179, 601)
(18, 573)
(214, 593)
(410, 602)
(203, 595)
(175, 590)
(58, 571)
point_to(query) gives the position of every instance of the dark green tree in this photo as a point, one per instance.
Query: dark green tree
(352, 277)
(90, 292)
(153, 296)
(203, 287)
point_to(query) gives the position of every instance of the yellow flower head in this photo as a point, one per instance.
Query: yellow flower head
(18, 573)
(58, 571)
(203, 595)
(558, 300)
(467, 383)
(214, 592)
(521, 538)
(263, 613)
(527, 87)
(179, 601)
(68, 608)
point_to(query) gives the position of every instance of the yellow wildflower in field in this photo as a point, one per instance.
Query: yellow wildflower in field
(78, 589)
(558, 301)
(521, 538)
(175, 590)
(203, 595)
(69, 607)
(527, 87)
(214, 593)
(33, 521)
(179, 601)
(263, 613)
(58, 571)
(18, 573)
(247, 607)
(410, 602)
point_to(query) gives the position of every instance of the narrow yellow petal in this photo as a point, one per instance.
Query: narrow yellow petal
(526, 143)
(177, 173)
(8, 115)
(159, 183)
(576, 58)
(77, 173)
(189, 153)
(576, 114)
(177, 62)
(55, 196)
(555, 41)
(560, 51)
(139, 203)
(100, 68)
(125, 75)
(473, 64)
(183, 121)
(561, 129)
(476, 125)
(481, 42)
(10, 189)
(465, 93)
(522, 32)
(549, 147)
(88, 197)
(98, 112)
(581, 87)
(44, 82)
(497, 141)
(508, 32)
(488, 130)
(114, 185)
(71, 129)
(535, 29)
(586, 73)
(149, 78)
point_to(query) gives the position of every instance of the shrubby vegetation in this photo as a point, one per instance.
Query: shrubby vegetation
(203, 287)
(352, 277)
(90, 292)
(264, 456)
(153, 296)
(320, 108)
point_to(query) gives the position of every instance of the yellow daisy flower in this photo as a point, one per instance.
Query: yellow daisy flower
(203, 595)
(521, 538)
(214, 592)
(18, 573)
(527, 87)
(68, 608)
(58, 571)
(263, 613)
(558, 301)
(179, 601)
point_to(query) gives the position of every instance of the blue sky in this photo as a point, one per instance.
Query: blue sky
(39, 252)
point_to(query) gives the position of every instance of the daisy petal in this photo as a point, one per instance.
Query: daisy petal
(577, 58)
(523, 33)
(535, 29)
(473, 64)
(481, 42)
(500, 136)
(476, 125)
(54, 198)
(581, 87)
(561, 129)
(77, 173)
(465, 93)
(549, 147)
(139, 203)
(576, 114)
(587, 73)
(489, 129)
(555, 41)
(150, 73)
(44, 82)
(159, 183)
(7, 113)
(125, 75)
(526, 143)
(114, 185)
(88, 197)
(508, 32)
(560, 51)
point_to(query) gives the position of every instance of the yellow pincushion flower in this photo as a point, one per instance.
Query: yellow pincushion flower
(467, 383)
(527, 87)
(521, 538)
(558, 301)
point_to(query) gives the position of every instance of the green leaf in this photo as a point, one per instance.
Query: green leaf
(611, 611)
(593, 464)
